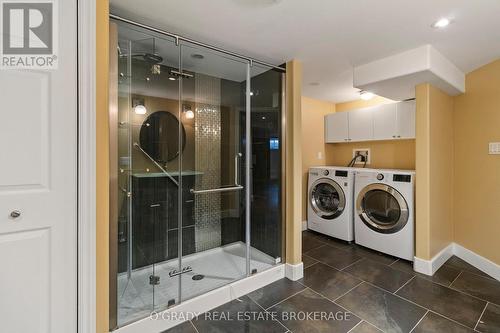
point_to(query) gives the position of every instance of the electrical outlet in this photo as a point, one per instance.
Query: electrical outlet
(364, 154)
(494, 148)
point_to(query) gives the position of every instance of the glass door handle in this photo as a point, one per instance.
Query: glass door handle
(235, 187)
(217, 190)
(236, 168)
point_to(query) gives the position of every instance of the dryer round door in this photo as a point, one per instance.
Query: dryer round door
(382, 208)
(327, 198)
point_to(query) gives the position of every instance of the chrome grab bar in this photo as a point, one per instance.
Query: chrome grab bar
(235, 187)
(217, 190)
(136, 145)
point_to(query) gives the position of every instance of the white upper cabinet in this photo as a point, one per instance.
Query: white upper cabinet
(382, 122)
(385, 122)
(406, 120)
(336, 127)
(361, 124)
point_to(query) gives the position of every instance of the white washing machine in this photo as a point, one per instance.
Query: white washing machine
(384, 213)
(330, 201)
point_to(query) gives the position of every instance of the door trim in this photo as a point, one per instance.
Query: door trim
(86, 204)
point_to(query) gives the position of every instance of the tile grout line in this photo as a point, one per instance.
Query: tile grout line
(392, 263)
(471, 272)
(192, 324)
(467, 294)
(347, 292)
(418, 322)
(314, 291)
(298, 292)
(360, 259)
(314, 263)
(306, 253)
(335, 268)
(452, 289)
(455, 279)
(356, 325)
(423, 307)
(481, 315)
(404, 284)
(279, 321)
(401, 297)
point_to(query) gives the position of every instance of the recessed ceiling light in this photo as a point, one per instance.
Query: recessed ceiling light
(263, 118)
(441, 23)
(197, 56)
(366, 95)
(314, 84)
(171, 78)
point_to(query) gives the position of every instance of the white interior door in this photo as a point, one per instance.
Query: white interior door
(38, 187)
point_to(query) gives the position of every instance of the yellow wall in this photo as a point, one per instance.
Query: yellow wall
(434, 195)
(477, 174)
(313, 134)
(392, 154)
(102, 166)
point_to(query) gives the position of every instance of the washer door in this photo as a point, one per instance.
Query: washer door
(327, 198)
(382, 208)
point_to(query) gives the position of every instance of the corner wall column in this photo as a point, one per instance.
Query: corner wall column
(293, 148)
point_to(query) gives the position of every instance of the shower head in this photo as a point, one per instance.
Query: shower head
(148, 57)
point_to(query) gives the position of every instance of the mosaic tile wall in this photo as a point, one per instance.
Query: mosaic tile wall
(207, 207)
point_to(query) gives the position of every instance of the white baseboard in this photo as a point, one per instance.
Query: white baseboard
(304, 225)
(169, 318)
(481, 263)
(429, 267)
(294, 272)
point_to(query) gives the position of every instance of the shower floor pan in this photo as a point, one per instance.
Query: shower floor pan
(137, 298)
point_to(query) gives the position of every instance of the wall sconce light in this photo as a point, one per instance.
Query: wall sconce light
(138, 105)
(188, 113)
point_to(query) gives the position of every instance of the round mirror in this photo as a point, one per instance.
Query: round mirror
(159, 136)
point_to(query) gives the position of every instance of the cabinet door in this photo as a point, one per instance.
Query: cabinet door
(336, 127)
(361, 124)
(406, 120)
(385, 122)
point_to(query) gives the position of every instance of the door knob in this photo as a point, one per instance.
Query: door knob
(15, 214)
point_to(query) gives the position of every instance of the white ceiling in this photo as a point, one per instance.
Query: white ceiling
(329, 36)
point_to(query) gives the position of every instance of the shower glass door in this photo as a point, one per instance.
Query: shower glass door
(147, 153)
(213, 95)
(196, 144)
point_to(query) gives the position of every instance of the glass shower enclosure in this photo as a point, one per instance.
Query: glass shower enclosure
(196, 176)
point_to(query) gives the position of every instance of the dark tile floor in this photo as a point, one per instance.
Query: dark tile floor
(368, 292)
